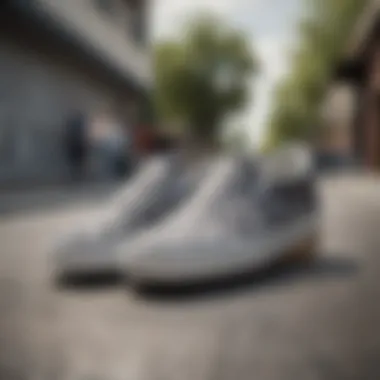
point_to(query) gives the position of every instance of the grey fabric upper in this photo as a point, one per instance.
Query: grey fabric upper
(215, 213)
(221, 224)
(158, 188)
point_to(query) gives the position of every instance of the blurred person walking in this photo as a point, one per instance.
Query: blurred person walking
(76, 146)
(110, 143)
(116, 145)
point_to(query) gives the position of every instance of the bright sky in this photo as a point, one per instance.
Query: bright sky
(269, 25)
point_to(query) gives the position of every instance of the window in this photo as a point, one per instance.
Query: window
(136, 26)
(106, 6)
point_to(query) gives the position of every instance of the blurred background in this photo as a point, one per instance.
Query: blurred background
(89, 89)
(85, 85)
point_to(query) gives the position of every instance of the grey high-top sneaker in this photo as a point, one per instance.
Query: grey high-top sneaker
(158, 188)
(241, 218)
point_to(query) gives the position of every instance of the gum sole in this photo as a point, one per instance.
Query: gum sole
(304, 252)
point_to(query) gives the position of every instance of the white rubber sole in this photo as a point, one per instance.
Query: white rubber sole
(296, 242)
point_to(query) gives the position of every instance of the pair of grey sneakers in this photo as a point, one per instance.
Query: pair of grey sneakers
(174, 225)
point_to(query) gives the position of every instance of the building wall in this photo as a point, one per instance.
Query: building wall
(367, 126)
(128, 17)
(46, 75)
(38, 92)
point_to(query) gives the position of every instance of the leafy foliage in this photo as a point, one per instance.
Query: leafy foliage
(324, 34)
(203, 77)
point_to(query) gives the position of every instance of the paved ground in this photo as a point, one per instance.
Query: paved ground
(301, 324)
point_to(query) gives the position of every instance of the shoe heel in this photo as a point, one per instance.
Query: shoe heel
(304, 252)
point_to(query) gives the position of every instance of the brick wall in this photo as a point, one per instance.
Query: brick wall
(338, 114)
(368, 124)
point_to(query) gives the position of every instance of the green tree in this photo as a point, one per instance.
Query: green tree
(202, 77)
(323, 36)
